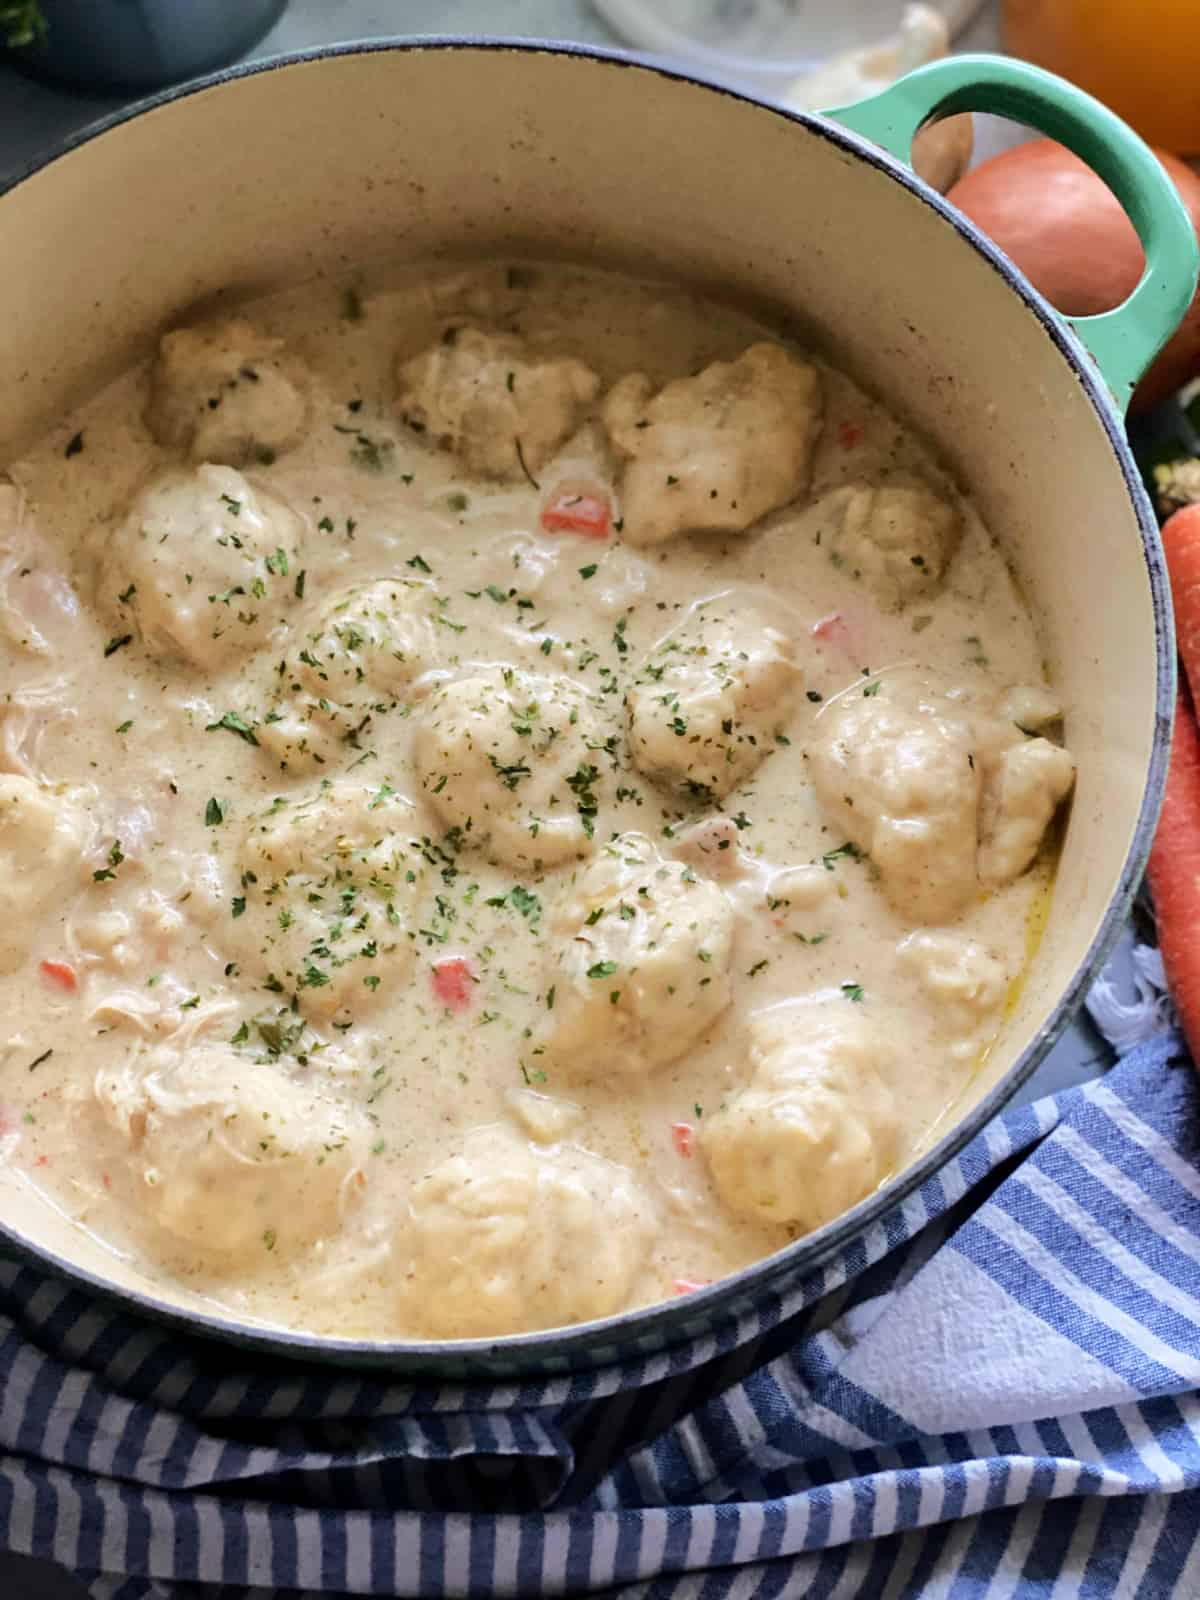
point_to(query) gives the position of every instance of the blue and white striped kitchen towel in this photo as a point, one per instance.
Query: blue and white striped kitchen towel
(992, 1393)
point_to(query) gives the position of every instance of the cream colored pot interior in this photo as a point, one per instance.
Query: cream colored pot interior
(326, 164)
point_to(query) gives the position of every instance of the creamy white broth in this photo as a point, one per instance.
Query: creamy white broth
(154, 756)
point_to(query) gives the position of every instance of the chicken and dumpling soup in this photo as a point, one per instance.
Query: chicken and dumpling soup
(521, 793)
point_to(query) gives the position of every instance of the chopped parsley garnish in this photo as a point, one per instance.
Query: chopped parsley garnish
(526, 902)
(117, 643)
(420, 563)
(124, 727)
(126, 595)
(872, 689)
(590, 570)
(74, 446)
(278, 564)
(37, 1061)
(853, 991)
(602, 969)
(299, 584)
(510, 775)
(371, 454)
(758, 967)
(235, 506)
(115, 857)
(521, 458)
(234, 724)
(215, 812)
(850, 851)
(580, 783)
(239, 905)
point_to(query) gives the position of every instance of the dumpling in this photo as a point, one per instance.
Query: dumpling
(44, 838)
(897, 537)
(716, 452)
(505, 1237)
(815, 1129)
(238, 1161)
(327, 895)
(229, 393)
(964, 981)
(351, 668)
(944, 793)
(1022, 790)
(203, 567)
(643, 964)
(374, 639)
(896, 771)
(705, 705)
(501, 407)
(516, 763)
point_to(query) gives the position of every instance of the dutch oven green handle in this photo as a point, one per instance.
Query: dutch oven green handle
(1125, 341)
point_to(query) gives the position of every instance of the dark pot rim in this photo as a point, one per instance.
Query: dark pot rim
(656, 1328)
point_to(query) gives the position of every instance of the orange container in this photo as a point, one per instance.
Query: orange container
(1141, 57)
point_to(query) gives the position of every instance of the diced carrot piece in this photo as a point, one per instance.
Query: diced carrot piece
(1174, 869)
(42, 1161)
(454, 982)
(688, 1285)
(60, 973)
(1181, 546)
(832, 629)
(850, 434)
(684, 1136)
(586, 512)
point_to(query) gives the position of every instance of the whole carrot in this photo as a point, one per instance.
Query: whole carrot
(1174, 872)
(1181, 545)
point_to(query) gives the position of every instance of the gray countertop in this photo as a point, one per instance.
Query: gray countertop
(34, 117)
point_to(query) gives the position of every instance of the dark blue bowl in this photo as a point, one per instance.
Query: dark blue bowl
(142, 44)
